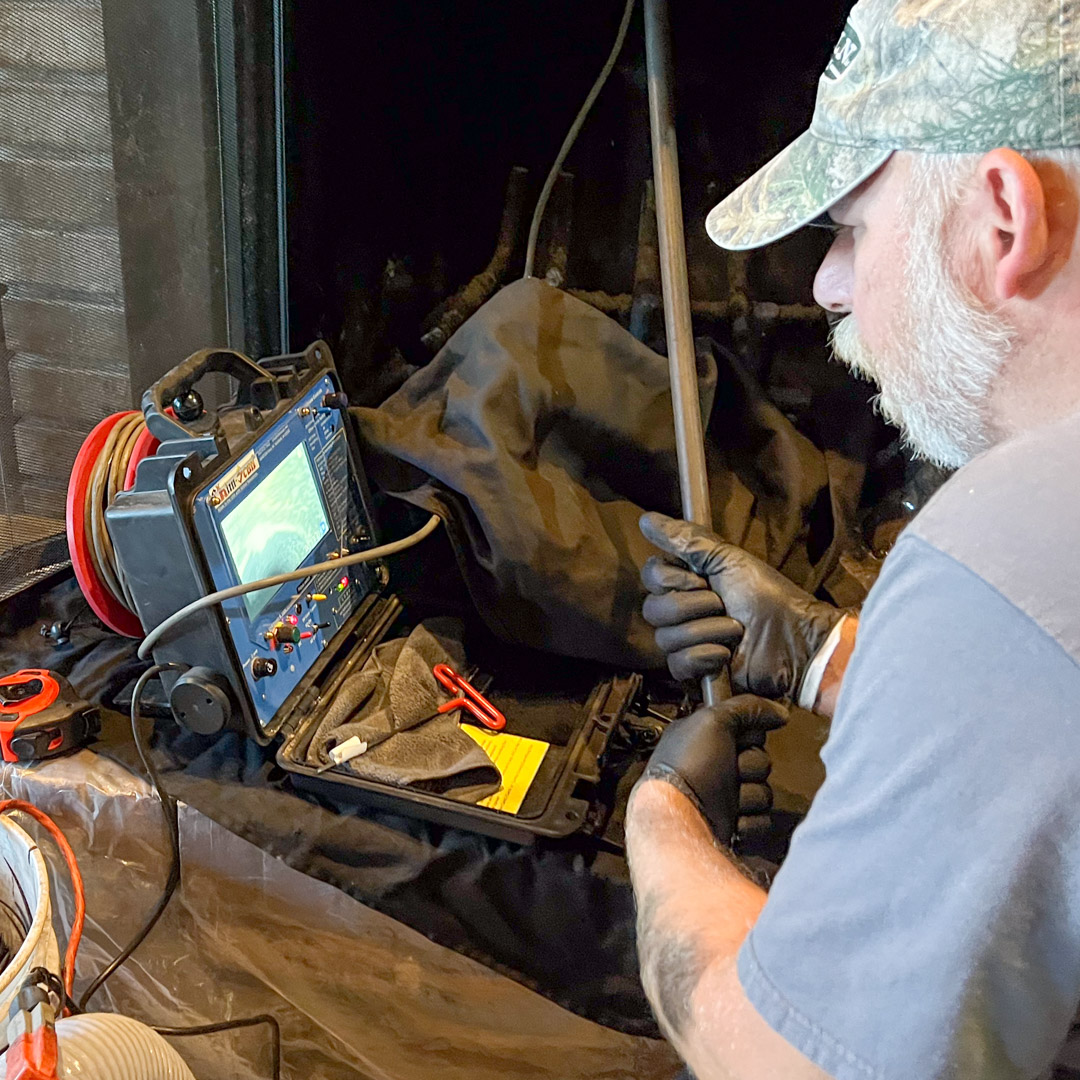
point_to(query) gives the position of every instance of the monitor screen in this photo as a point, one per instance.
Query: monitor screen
(275, 526)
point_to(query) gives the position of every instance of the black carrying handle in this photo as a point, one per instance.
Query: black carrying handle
(183, 377)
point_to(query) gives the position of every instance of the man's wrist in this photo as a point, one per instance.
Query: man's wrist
(665, 774)
(810, 685)
(654, 798)
(721, 827)
(820, 685)
(657, 802)
(654, 794)
(833, 678)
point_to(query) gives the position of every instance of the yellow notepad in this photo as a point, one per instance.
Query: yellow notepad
(517, 758)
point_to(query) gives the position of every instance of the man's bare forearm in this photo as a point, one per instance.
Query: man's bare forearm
(695, 906)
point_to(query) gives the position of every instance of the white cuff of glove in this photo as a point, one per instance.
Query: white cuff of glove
(815, 670)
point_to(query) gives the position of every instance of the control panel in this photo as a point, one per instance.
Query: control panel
(292, 500)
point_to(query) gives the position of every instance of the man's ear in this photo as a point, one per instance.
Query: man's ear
(1013, 233)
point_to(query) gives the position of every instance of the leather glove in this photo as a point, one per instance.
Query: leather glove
(712, 602)
(716, 757)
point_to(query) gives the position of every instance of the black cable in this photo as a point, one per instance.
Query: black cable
(172, 825)
(571, 136)
(229, 1025)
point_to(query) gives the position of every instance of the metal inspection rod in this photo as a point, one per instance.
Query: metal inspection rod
(689, 436)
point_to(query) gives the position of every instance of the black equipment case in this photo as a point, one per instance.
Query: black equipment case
(172, 537)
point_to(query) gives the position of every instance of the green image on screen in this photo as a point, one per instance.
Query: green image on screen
(275, 526)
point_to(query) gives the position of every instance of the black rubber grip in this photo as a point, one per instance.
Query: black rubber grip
(185, 375)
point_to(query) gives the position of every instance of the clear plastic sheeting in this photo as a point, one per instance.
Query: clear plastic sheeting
(356, 993)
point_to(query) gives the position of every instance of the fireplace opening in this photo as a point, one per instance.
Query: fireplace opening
(419, 137)
(258, 173)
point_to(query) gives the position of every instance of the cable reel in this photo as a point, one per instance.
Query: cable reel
(104, 466)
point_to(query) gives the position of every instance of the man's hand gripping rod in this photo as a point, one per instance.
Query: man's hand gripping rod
(689, 437)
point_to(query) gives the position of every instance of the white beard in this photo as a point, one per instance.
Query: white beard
(936, 373)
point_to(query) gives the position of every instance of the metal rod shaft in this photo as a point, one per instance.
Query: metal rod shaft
(686, 403)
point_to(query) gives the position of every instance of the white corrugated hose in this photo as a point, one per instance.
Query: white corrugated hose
(24, 882)
(104, 1046)
(97, 1046)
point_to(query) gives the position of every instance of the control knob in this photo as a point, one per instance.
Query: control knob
(188, 406)
(263, 666)
(283, 634)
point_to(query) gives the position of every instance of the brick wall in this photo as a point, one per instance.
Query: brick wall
(64, 356)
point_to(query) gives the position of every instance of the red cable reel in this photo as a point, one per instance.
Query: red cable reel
(108, 607)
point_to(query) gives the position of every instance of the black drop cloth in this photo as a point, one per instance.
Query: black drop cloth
(557, 917)
(543, 430)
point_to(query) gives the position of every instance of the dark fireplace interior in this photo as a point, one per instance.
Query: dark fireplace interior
(259, 173)
(418, 140)
(407, 121)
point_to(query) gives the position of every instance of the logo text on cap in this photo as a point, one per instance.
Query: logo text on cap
(847, 48)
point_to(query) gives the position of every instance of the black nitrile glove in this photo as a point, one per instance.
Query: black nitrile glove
(712, 602)
(716, 757)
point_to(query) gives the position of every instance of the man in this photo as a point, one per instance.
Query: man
(926, 922)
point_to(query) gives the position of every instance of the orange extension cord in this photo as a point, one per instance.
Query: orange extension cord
(8, 805)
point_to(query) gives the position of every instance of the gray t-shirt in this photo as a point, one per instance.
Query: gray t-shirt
(926, 922)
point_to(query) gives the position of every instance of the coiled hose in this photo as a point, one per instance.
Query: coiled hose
(104, 1046)
(106, 479)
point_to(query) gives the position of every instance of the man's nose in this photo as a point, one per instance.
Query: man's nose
(834, 282)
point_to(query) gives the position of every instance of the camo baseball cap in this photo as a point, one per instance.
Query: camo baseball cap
(938, 76)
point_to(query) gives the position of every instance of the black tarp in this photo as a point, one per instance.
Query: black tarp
(541, 431)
